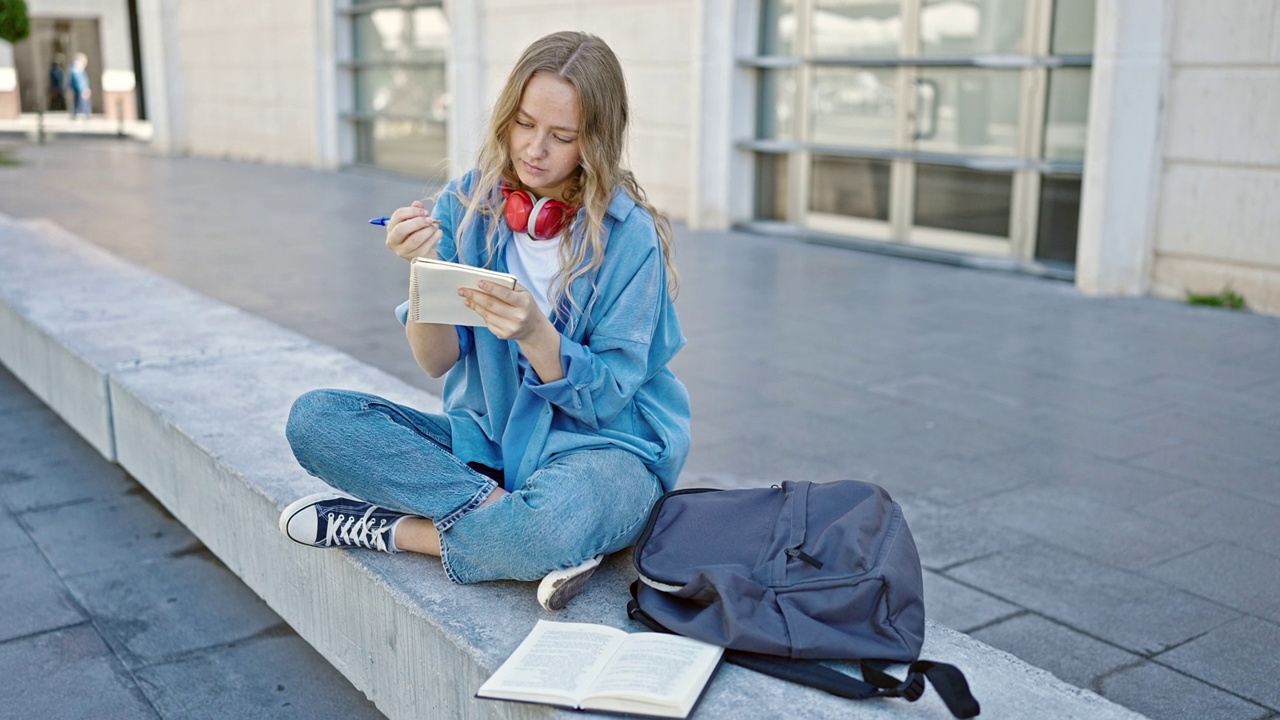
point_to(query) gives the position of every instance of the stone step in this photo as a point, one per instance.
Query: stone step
(190, 396)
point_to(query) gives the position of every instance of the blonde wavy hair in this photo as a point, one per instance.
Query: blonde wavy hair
(587, 63)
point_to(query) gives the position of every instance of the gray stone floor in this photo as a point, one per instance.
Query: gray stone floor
(112, 609)
(1094, 484)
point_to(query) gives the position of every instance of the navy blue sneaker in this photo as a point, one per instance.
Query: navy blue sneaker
(331, 519)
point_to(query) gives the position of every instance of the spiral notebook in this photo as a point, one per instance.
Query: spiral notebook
(433, 291)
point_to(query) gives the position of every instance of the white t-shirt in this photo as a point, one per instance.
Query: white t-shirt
(534, 263)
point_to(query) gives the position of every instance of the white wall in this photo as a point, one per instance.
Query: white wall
(249, 71)
(1219, 219)
(239, 78)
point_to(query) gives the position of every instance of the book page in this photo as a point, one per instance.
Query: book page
(555, 659)
(667, 669)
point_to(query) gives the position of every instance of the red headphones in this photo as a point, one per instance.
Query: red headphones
(543, 219)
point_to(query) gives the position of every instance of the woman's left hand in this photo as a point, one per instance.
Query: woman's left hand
(509, 314)
(513, 315)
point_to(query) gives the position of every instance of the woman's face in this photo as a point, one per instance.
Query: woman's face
(543, 137)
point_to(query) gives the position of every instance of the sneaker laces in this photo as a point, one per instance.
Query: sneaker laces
(358, 531)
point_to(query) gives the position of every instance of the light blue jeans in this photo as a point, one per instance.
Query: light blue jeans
(578, 505)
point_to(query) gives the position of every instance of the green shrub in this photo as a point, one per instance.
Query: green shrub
(14, 23)
(1225, 299)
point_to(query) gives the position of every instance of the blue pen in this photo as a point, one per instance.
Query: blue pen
(379, 221)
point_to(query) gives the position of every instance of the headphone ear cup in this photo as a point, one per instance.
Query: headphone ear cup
(542, 219)
(551, 218)
(518, 206)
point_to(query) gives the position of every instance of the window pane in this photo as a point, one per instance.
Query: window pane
(1059, 219)
(778, 27)
(1067, 117)
(771, 187)
(850, 186)
(961, 199)
(968, 111)
(972, 27)
(412, 147)
(777, 105)
(402, 34)
(855, 107)
(856, 27)
(1073, 27)
(412, 91)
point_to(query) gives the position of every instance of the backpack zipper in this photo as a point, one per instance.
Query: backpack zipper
(649, 524)
(796, 552)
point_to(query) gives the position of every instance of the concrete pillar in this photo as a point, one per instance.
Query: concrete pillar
(162, 74)
(1124, 161)
(721, 113)
(468, 116)
(328, 154)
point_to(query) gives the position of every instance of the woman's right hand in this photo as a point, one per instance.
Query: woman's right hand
(413, 233)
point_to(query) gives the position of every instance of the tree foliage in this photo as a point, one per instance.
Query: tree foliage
(14, 23)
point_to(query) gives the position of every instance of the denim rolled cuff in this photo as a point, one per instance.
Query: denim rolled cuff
(444, 523)
(571, 393)
(447, 564)
(448, 521)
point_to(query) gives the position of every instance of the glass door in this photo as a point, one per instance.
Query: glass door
(857, 116)
(972, 96)
(935, 123)
(397, 99)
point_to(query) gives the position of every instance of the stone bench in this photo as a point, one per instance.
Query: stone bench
(190, 395)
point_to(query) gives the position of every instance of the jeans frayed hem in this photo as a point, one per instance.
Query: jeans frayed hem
(446, 522)
(444, 561)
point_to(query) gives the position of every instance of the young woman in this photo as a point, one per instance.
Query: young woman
(562, 423)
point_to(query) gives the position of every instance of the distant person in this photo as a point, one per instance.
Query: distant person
(58, 83)
(562, 421)
(80, 87)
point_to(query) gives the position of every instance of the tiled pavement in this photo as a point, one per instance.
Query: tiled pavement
(110, 608)
(1094, 484)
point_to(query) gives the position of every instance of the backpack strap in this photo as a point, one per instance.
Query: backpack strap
(816, 675)
(947, 680)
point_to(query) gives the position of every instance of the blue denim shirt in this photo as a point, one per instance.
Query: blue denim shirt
(617, 390)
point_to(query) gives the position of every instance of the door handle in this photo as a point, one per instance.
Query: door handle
(926, 89)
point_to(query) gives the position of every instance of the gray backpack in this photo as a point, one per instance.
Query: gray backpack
(786, 575)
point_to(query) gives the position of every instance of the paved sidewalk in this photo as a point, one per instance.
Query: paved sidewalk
(112, 609)
(1094, 484)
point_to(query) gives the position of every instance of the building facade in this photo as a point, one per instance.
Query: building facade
(102, 30)
(1129, 144)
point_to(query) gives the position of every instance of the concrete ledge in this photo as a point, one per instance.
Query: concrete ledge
(190, 397)
(74, 315)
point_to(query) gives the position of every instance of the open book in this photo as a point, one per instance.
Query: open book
(433, 291)
(595, 667)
